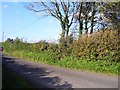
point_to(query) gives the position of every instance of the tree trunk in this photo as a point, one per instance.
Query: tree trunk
(80, 27)
(86, 23)
(67, 27)
(63, 30)
(92, 18)
(79, 19)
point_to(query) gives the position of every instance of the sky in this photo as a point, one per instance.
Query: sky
(17, 21)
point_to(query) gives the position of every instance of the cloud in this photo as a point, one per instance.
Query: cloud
(14, 38)
(57, 37)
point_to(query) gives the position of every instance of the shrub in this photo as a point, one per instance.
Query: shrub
(97, 45)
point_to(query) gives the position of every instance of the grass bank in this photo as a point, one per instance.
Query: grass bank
(99, 66)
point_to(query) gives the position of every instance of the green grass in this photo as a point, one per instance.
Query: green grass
(11, 80)
(100, 66)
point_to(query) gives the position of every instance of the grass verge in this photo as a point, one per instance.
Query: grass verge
(100, 66)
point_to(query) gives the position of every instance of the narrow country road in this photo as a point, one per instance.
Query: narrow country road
(55, 77)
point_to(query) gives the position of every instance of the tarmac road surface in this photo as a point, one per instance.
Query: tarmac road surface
(56, 77)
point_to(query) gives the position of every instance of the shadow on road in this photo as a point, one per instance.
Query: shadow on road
(38, 76)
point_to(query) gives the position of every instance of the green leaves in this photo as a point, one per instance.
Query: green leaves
(97, 52)
(69, 61)
(98, 45)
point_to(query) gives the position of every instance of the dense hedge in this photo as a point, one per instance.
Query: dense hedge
(98, 52)
(100, 45)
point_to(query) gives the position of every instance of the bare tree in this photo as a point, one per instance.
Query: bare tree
(83, 17)
(66, 12)
(62, 10)
(93, 16)
(80, 20)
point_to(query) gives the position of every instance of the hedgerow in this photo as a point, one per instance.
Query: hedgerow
(98, 52)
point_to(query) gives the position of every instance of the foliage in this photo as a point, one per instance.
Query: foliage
(111, 13)
(103, 44)
(98, 52)
(69, 61)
